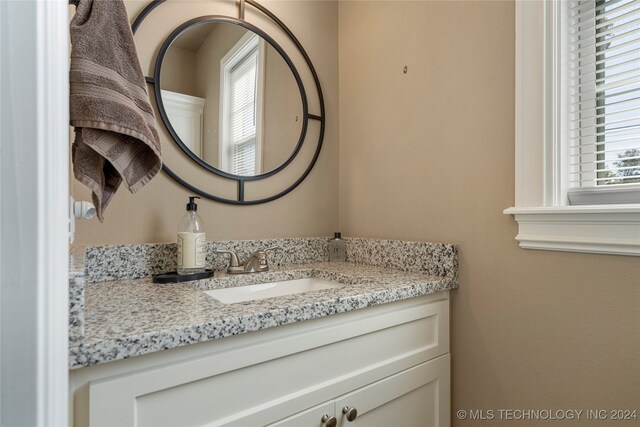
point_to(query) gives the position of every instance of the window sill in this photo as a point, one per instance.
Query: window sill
(608, 229)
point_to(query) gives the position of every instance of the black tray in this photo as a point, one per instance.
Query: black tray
(174, 277)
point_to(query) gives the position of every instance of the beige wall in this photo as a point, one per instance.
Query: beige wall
(430, 156)
(282, 111)
(178, 71)
(152, 214)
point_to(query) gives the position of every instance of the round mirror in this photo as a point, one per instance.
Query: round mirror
(231, 99)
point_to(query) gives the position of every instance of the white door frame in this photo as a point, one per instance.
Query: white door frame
(34, 204)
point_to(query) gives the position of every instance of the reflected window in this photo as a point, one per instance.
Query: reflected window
(242, 73)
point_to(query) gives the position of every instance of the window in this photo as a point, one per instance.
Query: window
(604, 101)
(578, 126)
(241, 109)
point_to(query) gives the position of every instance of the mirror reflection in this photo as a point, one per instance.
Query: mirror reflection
(231, 98)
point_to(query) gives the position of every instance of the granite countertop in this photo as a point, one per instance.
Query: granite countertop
(127, 318)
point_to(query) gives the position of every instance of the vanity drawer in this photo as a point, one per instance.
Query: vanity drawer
(267, 379)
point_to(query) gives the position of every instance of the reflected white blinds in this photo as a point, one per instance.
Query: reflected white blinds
(243, 114)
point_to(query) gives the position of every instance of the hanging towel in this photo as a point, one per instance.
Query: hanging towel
(115, 133)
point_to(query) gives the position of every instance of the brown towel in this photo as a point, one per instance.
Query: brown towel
(116, 138)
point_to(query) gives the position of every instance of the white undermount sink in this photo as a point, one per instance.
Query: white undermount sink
(272, 289)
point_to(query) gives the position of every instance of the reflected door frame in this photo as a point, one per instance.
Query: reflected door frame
(186, 113)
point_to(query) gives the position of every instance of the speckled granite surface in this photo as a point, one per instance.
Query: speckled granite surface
(133, 317)
(112, 319)
(104, 263)
(76, 263)
(439, 259)
(76, 310)
(76, 298)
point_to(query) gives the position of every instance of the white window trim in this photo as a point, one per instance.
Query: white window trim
(224, 101)
(544, 219)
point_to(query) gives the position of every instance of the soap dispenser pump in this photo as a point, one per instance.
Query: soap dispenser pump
(191, 241)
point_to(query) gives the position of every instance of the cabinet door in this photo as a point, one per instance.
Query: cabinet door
(419, 396)
(309, 418)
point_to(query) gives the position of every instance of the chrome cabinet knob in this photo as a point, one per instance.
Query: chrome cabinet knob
(351, 413)
(328, 421)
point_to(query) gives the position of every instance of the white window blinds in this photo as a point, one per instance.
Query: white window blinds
(604, 94)
(242, 120)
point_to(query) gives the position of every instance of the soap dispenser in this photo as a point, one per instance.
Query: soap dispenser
(337, 249)
(191, 238)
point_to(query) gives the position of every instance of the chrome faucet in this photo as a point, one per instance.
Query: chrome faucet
(255, 263)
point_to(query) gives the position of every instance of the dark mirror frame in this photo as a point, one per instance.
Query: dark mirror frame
(165, 118)
(155, 81)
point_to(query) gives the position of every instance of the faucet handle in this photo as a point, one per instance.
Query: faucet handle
(262, 252)
(234, 262)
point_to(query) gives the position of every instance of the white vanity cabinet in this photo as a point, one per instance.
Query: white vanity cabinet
(389, 362)
(418, 396)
